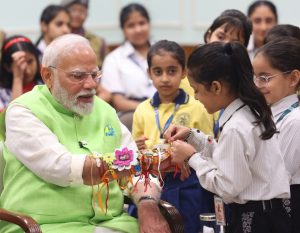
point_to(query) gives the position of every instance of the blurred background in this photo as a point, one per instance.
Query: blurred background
(184, 21)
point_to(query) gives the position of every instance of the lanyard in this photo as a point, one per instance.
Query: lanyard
(169, 121)
(287, 111)
(221, 128)
(216, 124)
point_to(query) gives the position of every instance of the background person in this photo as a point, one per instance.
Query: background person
(125, 69)
(19, 71)
(54, 22)
(263, 15)
(78, 10)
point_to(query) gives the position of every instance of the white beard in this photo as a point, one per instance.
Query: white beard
(70, 102)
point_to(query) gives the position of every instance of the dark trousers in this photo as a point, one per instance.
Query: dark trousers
(295, 208)
(259, 217)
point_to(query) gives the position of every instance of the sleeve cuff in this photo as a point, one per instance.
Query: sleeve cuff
(201, 164)
(77, 168)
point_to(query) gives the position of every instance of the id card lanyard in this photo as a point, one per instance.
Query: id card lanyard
(287, 111)
(169, 121)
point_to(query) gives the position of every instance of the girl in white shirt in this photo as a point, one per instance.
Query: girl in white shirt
(277, 75)
(125, 69)
(245, 168)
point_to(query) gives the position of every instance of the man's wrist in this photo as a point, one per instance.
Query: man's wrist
(147, 198)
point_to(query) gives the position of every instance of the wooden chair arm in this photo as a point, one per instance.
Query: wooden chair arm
(170, 213)
(172, 216)
(25, 222)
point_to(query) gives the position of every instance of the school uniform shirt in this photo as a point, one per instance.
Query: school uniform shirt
(191, 113)
(125, 72)
(289, 134)
(251, 48)
(242, 166)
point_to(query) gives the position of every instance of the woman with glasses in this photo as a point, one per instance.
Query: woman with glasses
(277, 75)
(19, 70)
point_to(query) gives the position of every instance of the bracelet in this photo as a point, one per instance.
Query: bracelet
(188, 158)
(144, 198)
(190, 132)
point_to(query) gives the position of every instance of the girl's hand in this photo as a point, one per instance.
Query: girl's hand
(180, 151)
(140, 142)
(19, 64)
(176, 132)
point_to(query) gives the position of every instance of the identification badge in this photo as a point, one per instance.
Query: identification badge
(220, 211)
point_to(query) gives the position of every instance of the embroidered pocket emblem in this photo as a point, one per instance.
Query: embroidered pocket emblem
(109, 131)
(183, 119)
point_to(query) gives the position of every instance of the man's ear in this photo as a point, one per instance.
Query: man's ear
(47, 76)
(295, 78)
(216, 87)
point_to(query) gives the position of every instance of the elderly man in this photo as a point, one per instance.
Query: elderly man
(50, 133)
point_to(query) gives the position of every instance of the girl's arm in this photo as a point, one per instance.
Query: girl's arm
(18, 68)
(201, 142)
(227, 172)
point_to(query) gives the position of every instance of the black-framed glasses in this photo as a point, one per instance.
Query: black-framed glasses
(265, 79)
(80, 76)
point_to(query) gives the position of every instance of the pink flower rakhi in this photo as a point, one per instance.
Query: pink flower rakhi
(123, 159)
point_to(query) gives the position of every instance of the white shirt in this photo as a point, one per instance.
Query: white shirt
(251, 48)
(125, 72)
(32, 142)
(241, 167)
(289, 136)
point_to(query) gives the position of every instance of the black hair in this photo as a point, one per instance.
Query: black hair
(230, 63)
(48, 14)
(233, 20)
(282, 53)
(259, 3)
(132, 7)
(25, 44)
(282, 30)
(166, 46)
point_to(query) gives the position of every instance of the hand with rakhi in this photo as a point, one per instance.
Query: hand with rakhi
(176, 132)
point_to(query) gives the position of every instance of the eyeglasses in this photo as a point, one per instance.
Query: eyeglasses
(81, 76)
(265, 79)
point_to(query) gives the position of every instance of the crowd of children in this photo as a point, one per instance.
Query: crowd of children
(230, 116)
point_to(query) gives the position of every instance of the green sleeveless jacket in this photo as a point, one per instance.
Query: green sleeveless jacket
(66, 209)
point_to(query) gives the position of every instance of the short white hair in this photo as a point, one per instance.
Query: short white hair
(60, 46)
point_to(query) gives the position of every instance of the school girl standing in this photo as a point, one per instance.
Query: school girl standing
(277, 75)
(245, 168)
